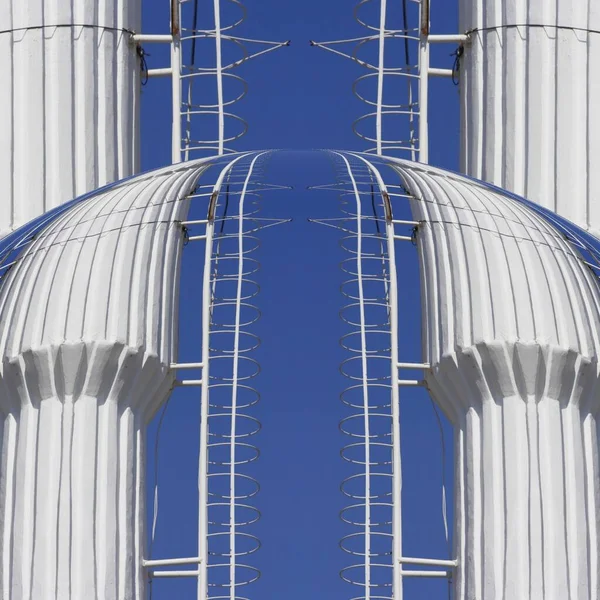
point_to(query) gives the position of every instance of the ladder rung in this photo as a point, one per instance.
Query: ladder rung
(406, 365)
(165, 562)
(434, 574)
(440, 72)
(174, 573)
(434, 562)
(445, 38)
(411, 382)
(188, 382)
(153, 38)
(414, 223)
(197, 365)
(166, 72)
(201, 222)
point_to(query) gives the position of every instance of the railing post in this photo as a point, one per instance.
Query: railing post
(176, 81)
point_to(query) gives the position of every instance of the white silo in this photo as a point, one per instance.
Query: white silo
(69, 91)
(514, 356)
(530, 79)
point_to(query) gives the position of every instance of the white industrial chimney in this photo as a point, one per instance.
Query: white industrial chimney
(69, 90)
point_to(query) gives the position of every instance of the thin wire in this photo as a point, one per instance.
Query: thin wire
(143, 64)
(458, 53)
(195, 27)
(444, 497)
(69, 25)
(533, 26)
(188, 120)
(155, 503)
(405, 25)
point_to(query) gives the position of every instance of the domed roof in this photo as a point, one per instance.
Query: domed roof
(496, 267)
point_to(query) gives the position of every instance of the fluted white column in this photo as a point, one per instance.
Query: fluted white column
(512, 334)
(527, 470)
(73, 446)
(69, 92)
(530, 85)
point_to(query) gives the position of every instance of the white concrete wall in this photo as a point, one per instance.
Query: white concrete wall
(87, 336)
(512, 333)
(68, 101)
(530, 98)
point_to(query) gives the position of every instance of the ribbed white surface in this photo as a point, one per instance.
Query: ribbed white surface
(512, 334)
(87, 334)
(69, 98)
(530, 100)
(73, 470)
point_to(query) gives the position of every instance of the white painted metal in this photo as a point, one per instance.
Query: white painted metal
(165, 562)
(400, 222)
(373, 585)
(514, 365)
(407, 107)
(69, 92)
(395, 400)
(207, 308)
(530, 84)
(176, 82)
(457, 38)
(424, 70)
(87, 338)
(197, 222)
(392, 296)
(432, 574)
(203, 430)
(435, 562)
(195, 109)
(364, 382)
(403, 365)
(219, 78)
(440, 72)
(164, 72)
(153, 38)
(233, 582)
(380, 77)
(174, 573)
(189, 383)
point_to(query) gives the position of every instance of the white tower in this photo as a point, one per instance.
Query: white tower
(87, 342)
(514, 354)
(69, 90)
(530, 79)
(512, 339)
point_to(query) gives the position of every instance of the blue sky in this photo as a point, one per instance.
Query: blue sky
(300, 98)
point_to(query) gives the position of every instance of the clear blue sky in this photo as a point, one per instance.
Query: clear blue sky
(300, 98)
